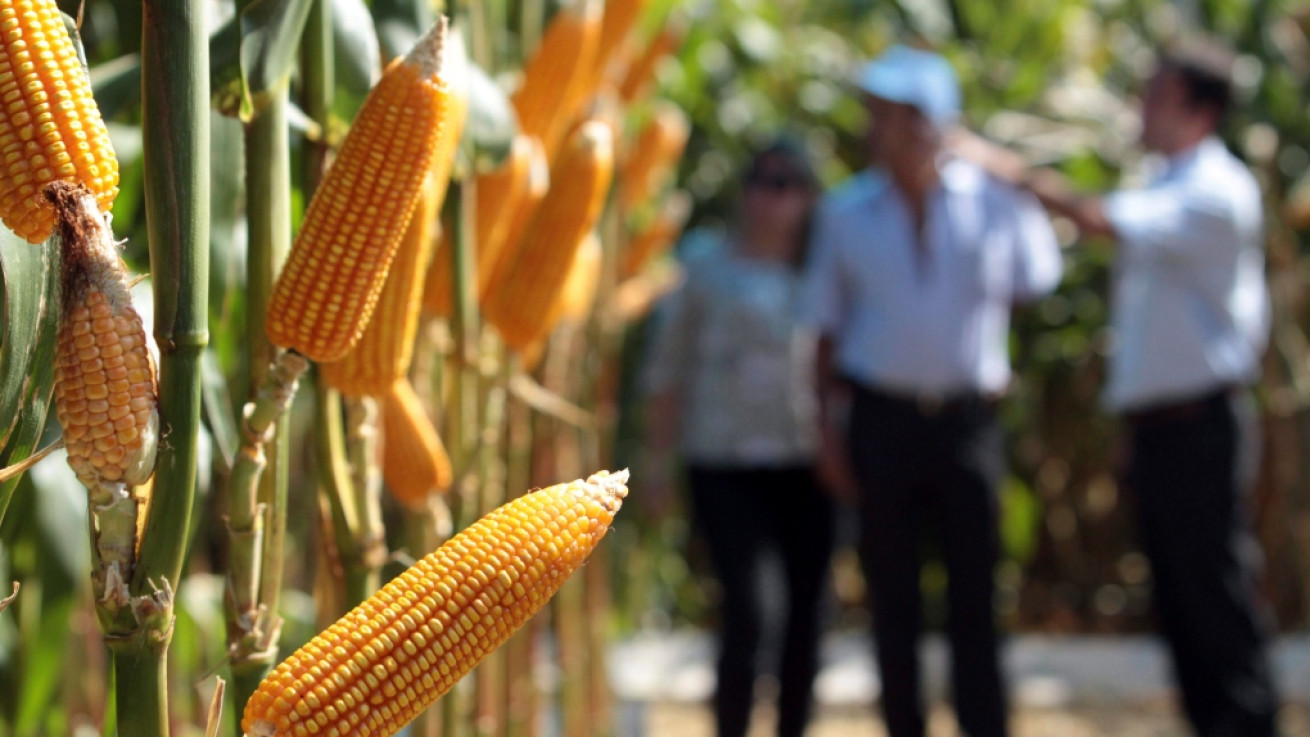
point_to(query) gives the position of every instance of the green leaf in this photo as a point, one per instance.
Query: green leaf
(51, 533)
(227, 248)
(218, 413)
(24, 267)
(270, 38)
(356, 54)
(27, 353)
(492, 122)
(70, 25)
(117, 85)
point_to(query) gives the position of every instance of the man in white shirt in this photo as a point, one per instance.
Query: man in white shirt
(917, 263)
(1191, 318)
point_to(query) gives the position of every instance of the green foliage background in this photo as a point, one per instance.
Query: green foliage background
(1057, 79)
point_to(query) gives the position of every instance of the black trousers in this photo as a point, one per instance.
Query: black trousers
(1191, 468)
(770, 534)
(931, 466)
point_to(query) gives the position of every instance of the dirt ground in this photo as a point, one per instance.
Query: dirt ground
(1141, 720)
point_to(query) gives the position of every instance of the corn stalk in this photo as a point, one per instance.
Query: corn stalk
(258, 493)
(460, 705)
(175, 86)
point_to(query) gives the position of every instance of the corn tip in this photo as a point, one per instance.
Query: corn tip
(611, 488)
(428, 52)
(594, 133)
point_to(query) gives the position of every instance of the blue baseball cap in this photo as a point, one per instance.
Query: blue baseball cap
(914, 77)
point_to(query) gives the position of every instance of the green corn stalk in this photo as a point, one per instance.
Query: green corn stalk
(356, 511)
(175, 88)
(460, 705)
(257, 511)
(258, 493)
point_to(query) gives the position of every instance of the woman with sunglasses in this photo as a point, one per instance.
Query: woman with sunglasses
(729, 386)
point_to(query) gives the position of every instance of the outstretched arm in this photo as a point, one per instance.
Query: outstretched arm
(1049, 186)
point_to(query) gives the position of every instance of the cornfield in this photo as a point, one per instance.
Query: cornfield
(315, 307)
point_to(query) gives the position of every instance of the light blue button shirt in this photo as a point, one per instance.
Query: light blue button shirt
(934, 319)
(1190, 310)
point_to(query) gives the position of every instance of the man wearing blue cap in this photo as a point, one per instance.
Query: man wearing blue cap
(918, 261)
(1191, 320)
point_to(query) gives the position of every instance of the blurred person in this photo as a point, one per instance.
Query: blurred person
(1190, 313)
(918, 262)
(728, 385)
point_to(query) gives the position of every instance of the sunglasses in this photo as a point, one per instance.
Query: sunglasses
(776, 182)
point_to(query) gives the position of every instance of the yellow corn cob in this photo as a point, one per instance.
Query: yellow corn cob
(454, 69)
(106, 397)
(579, 290)
(395, 654)
(574, 301)
(499, 193)
(520, 305)
(655, 239)
(414, 461)
(439, 283)
(640, 72)
(517, 224)
(50, 127)
(530, 356)
(383, 352)
(556, 70)
(633, 297)
(620, 16)
(326, 293)
(654, 155)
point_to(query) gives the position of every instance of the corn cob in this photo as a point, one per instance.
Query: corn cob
(439, 284)
(517, 222)
(579, 290)
(383, 352)
(620, 16)
(654, 155)
(106, 397)
(50, 127)
(640, 72)
(499, 193)
(521, 304)
(414, 461)
(574, 301)
(327, 291)
(557, 69)
(395, 654)
(618, 19)
(655, 239)
(454, 68)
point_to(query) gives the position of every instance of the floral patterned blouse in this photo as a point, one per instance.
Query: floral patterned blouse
(729, 341)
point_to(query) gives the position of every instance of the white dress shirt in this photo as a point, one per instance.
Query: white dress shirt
(928, 318)
(1190, 311)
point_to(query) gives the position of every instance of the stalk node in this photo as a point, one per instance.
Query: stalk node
(154, 612)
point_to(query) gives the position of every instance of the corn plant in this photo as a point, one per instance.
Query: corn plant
(230, 423)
